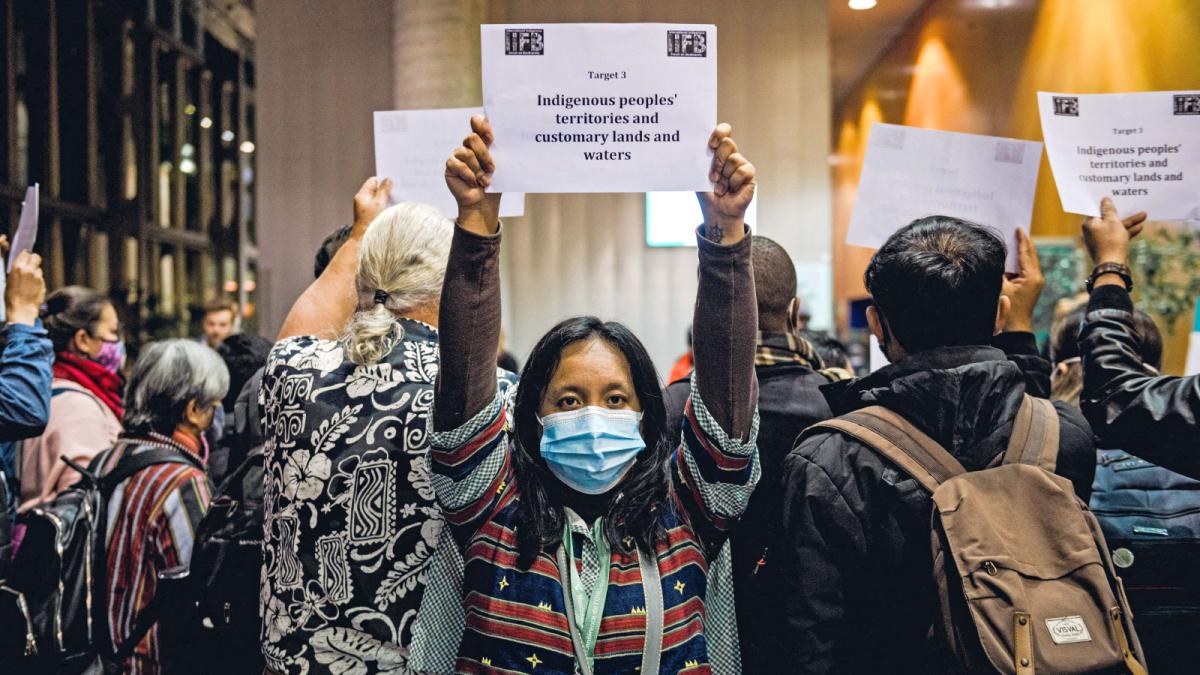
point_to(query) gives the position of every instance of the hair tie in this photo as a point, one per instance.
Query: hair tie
(381, 297)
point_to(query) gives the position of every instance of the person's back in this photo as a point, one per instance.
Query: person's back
(151, 517)
(1150, 515)
(851, 565)
(789, 401)
(86, 406)
(351, 521)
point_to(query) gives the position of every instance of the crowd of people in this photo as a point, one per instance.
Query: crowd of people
(379, 491)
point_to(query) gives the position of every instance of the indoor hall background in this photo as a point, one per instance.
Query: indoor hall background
(324, 66)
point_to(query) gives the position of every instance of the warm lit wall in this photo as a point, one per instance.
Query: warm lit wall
(975, 66)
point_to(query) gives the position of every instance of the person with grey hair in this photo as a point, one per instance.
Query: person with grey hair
(351, 520)
(172, 394)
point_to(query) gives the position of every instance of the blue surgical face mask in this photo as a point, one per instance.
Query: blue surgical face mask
(591, 449)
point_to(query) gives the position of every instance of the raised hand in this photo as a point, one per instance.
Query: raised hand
(370, 201)
(1107, 237)
(1023, 289)
(468, 174)
(26, 289)
(733, 181)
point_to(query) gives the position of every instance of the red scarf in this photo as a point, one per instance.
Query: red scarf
(105, 384)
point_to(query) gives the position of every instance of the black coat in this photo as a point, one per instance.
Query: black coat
(849, 569)
(1155, 418)
(789, 401)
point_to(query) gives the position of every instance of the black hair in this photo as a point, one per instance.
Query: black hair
(1064, 337)
(329, 248)
(774, 282)
(831, 350)
(937, 283)
(243, 354)
(631, 509)
(69, 310)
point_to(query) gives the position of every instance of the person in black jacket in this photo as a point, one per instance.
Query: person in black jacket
(788, 402)
(850, 568)
(1153, 417)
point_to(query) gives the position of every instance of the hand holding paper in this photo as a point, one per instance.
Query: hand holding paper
(733, 181)
(1107, 237)
(468, 175)
(1023, 288)
(26, 289)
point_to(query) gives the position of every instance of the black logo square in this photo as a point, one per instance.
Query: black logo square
(524, 41)
(1187, 104)
(687, 43)
(1066, 105)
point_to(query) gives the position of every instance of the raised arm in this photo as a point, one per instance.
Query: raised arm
(725, 323)
(325, 307)
(469, 319)
(1154, 417)
(25, 363)
(716, 466)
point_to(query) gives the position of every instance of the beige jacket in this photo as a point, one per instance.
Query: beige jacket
(80, 428)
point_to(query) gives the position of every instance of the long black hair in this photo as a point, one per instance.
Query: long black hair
(632, 508)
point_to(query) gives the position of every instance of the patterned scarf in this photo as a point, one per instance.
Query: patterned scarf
(779, 348)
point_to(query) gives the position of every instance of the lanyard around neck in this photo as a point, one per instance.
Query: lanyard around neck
(573, 595)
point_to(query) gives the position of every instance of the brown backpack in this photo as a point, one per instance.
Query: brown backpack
(1034, 588)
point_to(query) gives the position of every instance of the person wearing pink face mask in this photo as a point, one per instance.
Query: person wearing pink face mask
(86, 404)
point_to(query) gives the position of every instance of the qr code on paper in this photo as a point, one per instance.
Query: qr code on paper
(1010, 152)
(891, 138)
(1187, 104)
(1066, 105)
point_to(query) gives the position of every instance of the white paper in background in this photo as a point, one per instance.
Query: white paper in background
(1142, 150)
(27, 226)
(910, 173)
(600, 107)
(877, 358)
(411, 148)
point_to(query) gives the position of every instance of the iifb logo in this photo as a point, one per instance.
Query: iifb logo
(1187, 104)
(1066, 105)
(524, 41)
(687, 43)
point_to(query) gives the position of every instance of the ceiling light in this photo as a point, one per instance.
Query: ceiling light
(247, 147)
(862, 4)
(205, 122)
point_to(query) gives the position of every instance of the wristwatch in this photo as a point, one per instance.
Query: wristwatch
(1118, 269)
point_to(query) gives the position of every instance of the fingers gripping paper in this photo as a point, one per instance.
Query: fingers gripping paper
(1142, 150)
(411, 147)
(600, 107)
(910, 173)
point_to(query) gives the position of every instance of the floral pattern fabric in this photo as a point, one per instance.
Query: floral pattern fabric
(351, 519)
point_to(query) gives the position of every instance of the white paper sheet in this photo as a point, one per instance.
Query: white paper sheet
(27, 226)
(411, 148)
(911, 173)
(1142, 150)
(600, 107)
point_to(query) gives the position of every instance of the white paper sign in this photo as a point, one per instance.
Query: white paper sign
(1142, 150)
(600, 107)
(27, 226)
(910, 173)
(411, 148)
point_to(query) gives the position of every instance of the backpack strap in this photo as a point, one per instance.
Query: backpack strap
(1034, 439)
(130, 464)
(900, 442)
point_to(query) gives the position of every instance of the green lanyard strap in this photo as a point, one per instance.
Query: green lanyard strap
(585, 633)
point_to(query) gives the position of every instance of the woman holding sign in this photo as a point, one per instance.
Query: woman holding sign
(586, 533)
